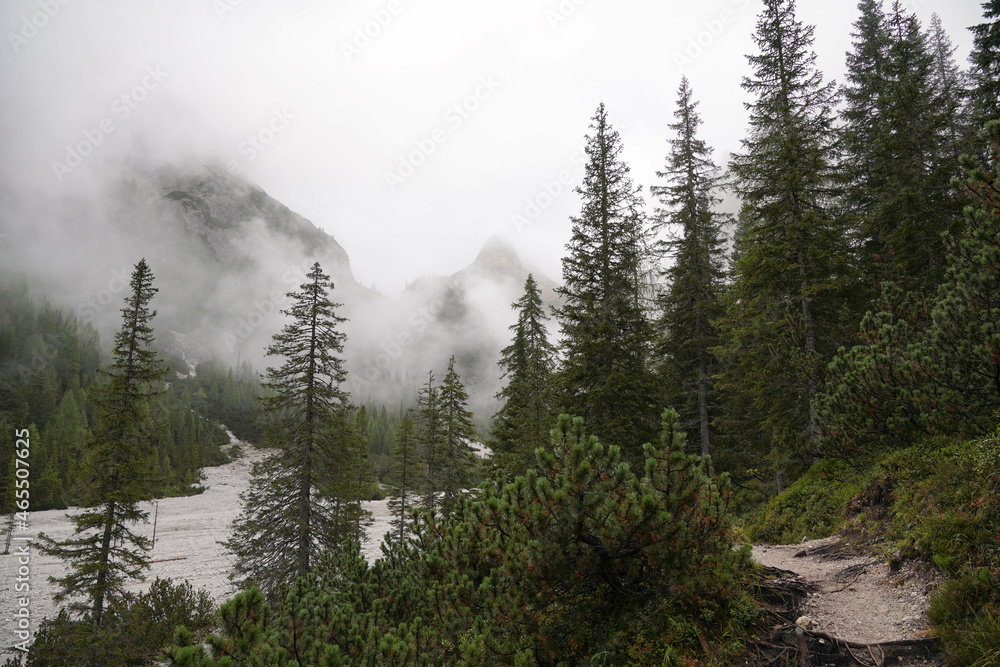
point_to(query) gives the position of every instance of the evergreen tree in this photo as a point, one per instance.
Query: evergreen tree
(104, 551)
(528, 363)
(286, 523)
(863, 114)
(965, 330)
(457, 458)
(902, 139)
(985, 61)
(351, 480)
(951, 86)
(605, 375)
(913, 374)
(404, 479)
(784, 306)
(429, 439)
(690, 304)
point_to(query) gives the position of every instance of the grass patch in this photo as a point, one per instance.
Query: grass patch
(811, 508)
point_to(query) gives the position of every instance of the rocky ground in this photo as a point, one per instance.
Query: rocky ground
(188, 531)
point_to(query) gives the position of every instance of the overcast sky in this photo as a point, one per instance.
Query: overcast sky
(411, 130)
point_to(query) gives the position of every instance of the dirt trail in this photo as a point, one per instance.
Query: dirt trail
(856, 598)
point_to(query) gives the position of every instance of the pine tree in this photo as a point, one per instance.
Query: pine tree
(458, 459)
(528, 364)
(404, 479)
(67, 434)
(690, 304)
(965, 330)
(105, 552)
(605, 375)
(351, 480)
(784, 306)
(286, 520)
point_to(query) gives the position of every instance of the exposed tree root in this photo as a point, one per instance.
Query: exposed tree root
(791, 645)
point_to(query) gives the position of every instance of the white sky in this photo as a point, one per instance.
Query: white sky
(331, 124)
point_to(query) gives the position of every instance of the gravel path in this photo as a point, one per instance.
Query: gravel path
(856, 598)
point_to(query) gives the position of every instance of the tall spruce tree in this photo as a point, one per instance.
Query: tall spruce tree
(902, 136)
(864, 97)
(528, 364)
(105, 551)
(985, 61)
(784, 307)
(605, 375)
(913, 374)
(404, 480)
(690, 304)
(457, 458)
(293, 509)
(951, 85)
(430, 436)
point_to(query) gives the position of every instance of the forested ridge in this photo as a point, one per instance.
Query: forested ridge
(826, 359)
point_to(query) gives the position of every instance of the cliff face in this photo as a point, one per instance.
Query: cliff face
(228, 214)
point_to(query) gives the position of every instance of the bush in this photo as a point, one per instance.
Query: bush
(133, 633)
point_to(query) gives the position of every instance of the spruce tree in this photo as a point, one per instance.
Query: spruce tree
(291, 512)
(404, 480)
(913, 374)
(458, 459)
(784, 306)
(429, 438)
(985, 61)
(951, 86)
(863, 114)
(690, 303)
(528, 364)
(902, 140)
(105, 551)
(605, 376)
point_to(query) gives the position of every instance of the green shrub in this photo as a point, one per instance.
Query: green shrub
(134, 631)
